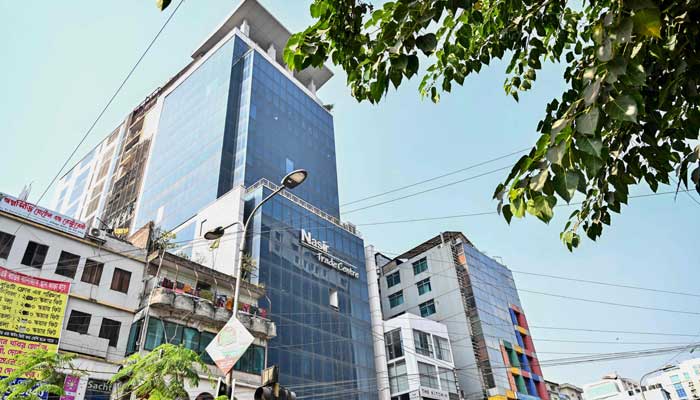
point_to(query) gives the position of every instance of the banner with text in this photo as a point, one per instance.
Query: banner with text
(31, 315)
(41, 215)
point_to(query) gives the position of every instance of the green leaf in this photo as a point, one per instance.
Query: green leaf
(588, 122)
(163, 4)
(560, 124)
(412, 65)
(591, 92)
(565, 184)
(507, 214)
(537, 183)
(623, 33)
(590, 145)
(623, 108)
(647, 22)
(555, 154)
(639, 4)
(541, 207)
(604, 52)
(427, 43)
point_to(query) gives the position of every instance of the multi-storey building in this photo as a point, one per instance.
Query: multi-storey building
(106, 281)
(563, 391)
(207, 147)
(448, 280)
(615, 387)
(420, 362)
(682, 380)
(185, 302)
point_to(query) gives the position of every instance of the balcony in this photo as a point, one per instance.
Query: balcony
(84, 344)
(257, 325)
(202, 309)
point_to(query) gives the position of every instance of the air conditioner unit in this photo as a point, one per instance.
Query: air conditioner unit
(98, 234)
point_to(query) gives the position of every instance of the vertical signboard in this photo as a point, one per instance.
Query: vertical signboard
(229, 345)
(31, 315)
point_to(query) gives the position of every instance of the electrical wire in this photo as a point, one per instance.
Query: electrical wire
(436, 177)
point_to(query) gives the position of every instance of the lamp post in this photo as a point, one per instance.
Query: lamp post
(641, 381)
(290, 181)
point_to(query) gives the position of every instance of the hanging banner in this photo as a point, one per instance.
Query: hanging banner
(229, 345)
(41, 215)
(31, 315)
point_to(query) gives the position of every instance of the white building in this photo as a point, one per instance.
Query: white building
(419, 359)
(615, 387)
(187, 303)
(682, 381)
(106, 277)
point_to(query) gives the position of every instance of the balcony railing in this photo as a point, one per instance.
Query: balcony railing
(306, 205)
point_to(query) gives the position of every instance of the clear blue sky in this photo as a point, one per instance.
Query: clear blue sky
(62, 60)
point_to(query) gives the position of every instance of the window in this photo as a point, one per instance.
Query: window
(67, 264)
(252, 360)
(396, 299)
(680, 390)
(447, 380)
(423, 344)
(675, 378)
(6, 241)
(92, 273)
(428, 376)
(696, 369)
(204, 340)
(398, 377)
(120, 280)
(333, 298)
(134, 337)
(686, 376)
(424, 286)
(35, 254)
(442, 349)
(393, 279)
(393, 344)
(155, 334)
(78, 322)
(427, 308)
(110, 330)
(420, 266)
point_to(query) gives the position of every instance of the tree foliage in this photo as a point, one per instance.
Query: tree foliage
(160, 374)
(630, 113)
(36, 372)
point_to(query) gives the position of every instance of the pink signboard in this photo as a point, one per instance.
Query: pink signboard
(40, 215)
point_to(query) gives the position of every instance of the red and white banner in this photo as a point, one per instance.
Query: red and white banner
(41, 215)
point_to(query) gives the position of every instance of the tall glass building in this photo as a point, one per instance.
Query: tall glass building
(237, 120)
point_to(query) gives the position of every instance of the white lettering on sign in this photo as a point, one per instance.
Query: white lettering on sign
(426, 392)
(325, 257)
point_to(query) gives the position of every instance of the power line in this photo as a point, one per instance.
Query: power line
(428, 190)
(436, 177)
(111, 99)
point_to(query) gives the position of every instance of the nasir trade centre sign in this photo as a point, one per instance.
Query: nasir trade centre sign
(31, 315)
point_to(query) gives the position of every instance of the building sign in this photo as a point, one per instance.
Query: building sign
(229, 345)
(98, 389)
(31, 315)
(430, 393)
(70, 387)
(43, 216)
(323, 255)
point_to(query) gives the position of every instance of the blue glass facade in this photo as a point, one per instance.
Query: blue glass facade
(236, 119)
(191, 161)
(287, 130)
(316, 343)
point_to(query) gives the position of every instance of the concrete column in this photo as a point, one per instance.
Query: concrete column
(272, 52)
(245, 28)
(375, 309)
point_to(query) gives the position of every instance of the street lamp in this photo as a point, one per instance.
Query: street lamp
(290, 181)
(641, 381)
